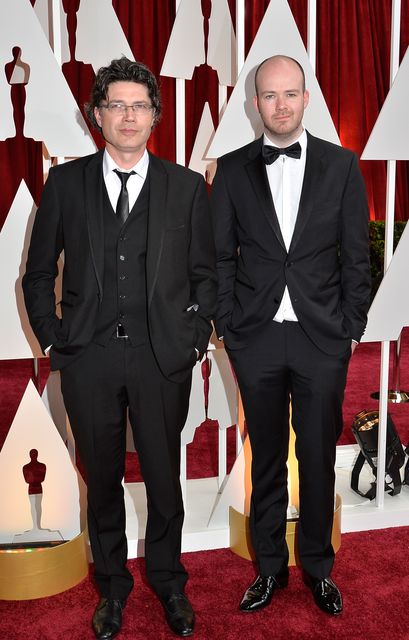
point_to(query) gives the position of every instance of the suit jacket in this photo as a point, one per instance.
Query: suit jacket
(327, 265)
(180, 266)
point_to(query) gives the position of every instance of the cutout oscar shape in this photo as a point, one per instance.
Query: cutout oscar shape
(34, 474)
(52, 115)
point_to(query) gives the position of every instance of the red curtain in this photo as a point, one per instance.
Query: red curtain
(353, 53)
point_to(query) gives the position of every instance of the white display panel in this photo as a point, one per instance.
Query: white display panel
(32, 428)
(99, 37)
(389, 139)
(51, 113)
(389, 311)
(240, 124)
(16, 336)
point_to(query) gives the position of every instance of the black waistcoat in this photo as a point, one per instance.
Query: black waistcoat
(124, 298)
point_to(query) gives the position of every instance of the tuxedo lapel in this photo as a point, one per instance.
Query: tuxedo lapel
(314, 168)
(258, 177)
(93, 188)
(156, 221)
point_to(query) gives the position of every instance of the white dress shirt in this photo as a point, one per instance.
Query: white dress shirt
(285, 177)
(134, 184)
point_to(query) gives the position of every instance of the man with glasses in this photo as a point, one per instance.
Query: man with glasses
(138, 293)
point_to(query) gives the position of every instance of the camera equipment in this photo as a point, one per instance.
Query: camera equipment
(365, 429)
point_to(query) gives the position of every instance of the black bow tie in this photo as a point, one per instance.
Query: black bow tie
(270, 154)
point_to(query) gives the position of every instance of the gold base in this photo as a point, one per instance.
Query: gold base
(393, 396)
(27, 574)
(240, 542)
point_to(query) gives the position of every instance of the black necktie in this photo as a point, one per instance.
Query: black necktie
(270, 154)
(122, 206)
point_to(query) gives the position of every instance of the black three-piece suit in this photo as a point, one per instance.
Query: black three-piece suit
(155, 277)
(326, 270)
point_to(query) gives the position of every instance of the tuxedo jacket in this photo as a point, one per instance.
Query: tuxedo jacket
(326, 267)
(180, 269)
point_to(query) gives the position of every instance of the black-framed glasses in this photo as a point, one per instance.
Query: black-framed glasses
(119, 108)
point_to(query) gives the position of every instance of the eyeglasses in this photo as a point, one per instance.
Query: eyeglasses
(120, 108)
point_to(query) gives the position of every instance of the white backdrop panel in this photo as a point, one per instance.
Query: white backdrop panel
(221, 53)
(185, 49)
(100, 37)
(16, 336)
(32, 428)
(389, 139)
(240, 124)
(204, 134)
(389, 312)
(51, 113)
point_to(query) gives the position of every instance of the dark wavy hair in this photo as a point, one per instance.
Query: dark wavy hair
(122, 70)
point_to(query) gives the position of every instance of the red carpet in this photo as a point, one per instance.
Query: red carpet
(371, 567)
(371, 570)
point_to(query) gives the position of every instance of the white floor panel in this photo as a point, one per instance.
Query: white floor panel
(358, 514)
(199, 503)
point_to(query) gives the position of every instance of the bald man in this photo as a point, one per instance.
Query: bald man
(291, 228)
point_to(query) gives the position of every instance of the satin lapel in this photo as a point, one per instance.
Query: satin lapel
(156, 221)
(314, 167)
(93, 190)
(258, 177)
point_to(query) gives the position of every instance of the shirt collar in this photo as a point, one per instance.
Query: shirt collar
(141, 167)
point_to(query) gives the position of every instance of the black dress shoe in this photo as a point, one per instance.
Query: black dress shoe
(259, 594)
(326, 594)
(179, 614)
(107, 619)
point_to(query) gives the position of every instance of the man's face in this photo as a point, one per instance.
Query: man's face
(126, 133)
(281, 99)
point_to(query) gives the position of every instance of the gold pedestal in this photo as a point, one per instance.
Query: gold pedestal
(26, 574)
(240, 541)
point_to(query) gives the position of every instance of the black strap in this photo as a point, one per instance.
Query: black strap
(406, 480)
(360, 461)
(393, 471)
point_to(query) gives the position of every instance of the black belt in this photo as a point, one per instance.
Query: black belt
(120, 332)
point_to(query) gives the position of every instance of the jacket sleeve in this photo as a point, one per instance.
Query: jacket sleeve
(202, 268)
(42, 267)
(223, 215)
(354, 253)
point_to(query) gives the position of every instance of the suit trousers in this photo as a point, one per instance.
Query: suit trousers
(98, 389)
(281, 366)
